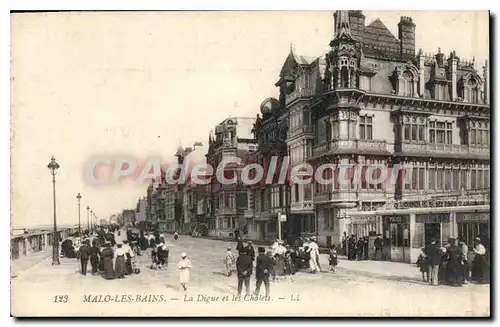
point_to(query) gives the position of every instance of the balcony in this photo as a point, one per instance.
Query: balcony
(226, 211)
(248, 214)
(305, 129)
(351, 146)
(303, 93)
(443, 150)
(306, 206)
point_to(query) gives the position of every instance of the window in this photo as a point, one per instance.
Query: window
(440, 132)
(296, 192)
(470, 91)
(344, 77)
(365, 128)
(479, 133)
(463, 179)
(414, 129)
(415, 180)
(406, 84)
(365, 83)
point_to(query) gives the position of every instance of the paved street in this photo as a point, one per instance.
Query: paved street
(357, 288)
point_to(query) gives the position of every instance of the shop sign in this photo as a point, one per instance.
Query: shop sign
(433, 218)
(398, 219)
(473, 217)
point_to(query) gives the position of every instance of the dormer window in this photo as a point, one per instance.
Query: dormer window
(406, 84)
(406, 78)
(469, 88)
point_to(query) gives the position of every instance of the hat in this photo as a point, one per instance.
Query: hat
(313, 238)
(183, 255)
(119, 245)
(477, 239)
(125, 241)
(228, 248)
(261, 249)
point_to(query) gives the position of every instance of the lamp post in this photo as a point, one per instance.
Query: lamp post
(88, 219)
(88, 212)
(79, 197)
(53, 167)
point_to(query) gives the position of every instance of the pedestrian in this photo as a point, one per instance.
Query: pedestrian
(263, 268)
(352, 248)
(176, 235)
(360, 246)
(272, 271)
(479, 262)
(108, 255)
(185, 267)
(453, 263)
(95, 254)
(422, 264)
(162, 238)
(129, 254)
(229, 261)
(244, 267)
(251, 250)
(152, 240)
(378, 244)
(313, 250)
(120, 268)
(333, 260)
(84, 254)
(464, 261)
(434, 260)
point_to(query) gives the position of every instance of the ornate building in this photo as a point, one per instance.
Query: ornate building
(233, 138)
(268, 196)
(374, 100)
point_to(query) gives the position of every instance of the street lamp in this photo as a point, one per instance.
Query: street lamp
(53, 167)
(88, 219)
(88, 212)
(79, 197)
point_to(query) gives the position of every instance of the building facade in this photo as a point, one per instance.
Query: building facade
(232, 138)
(140, 214)
(373, 99)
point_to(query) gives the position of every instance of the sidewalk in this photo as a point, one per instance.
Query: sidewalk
(17, 266)
(378, 269)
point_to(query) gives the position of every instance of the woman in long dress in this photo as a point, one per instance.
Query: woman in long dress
(108, 255)
(479, 262)
(184, 267)
(314, 255)
(120, 268)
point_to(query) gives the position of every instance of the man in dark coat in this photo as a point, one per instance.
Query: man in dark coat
(453, 263)
(108, 254)
(360, 246)
(378, 247)
(95, 254)
(244, 267)
(434, 259)
(262, 270)
(251, 250)
(84, 254)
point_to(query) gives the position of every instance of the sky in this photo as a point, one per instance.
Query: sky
(141, 84)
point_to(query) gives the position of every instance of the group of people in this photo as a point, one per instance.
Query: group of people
(244, 264)
(115, 263)
(451, 264)
(279, 260)
(357, 249)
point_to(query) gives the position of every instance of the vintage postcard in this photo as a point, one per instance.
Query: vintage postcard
(320, 163)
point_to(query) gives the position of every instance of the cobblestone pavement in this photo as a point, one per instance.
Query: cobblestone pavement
(365, 288)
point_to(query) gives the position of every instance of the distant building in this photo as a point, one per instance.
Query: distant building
(128, 217)
(140, 212)
(233, 138)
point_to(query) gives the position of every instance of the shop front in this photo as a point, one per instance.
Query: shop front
(474, 224)
(396, 231)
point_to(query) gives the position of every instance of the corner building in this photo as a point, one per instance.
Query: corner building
(373, 99)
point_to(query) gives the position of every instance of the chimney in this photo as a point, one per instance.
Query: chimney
(452, 69)
(406, 35)
(440, 58)
(486, 77)
(421, 71)
(357, 22)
